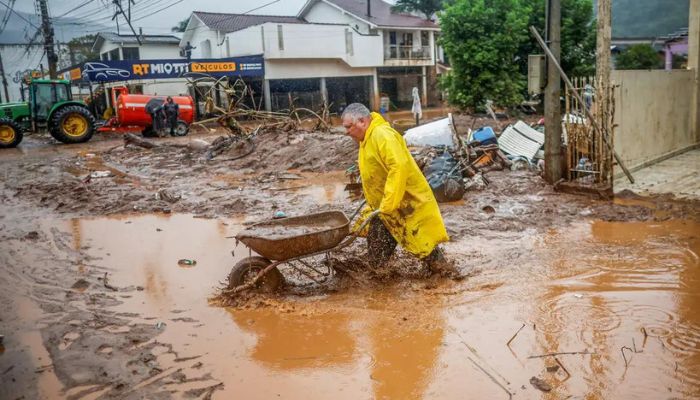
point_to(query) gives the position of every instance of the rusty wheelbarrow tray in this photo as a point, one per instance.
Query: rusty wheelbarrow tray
(290, 241)
(286, 238)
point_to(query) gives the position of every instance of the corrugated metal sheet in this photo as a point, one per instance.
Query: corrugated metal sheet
(521, 140)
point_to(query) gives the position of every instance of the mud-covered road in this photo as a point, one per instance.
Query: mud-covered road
(93, 302)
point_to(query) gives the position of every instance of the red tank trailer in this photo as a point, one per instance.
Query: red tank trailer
(132, 112)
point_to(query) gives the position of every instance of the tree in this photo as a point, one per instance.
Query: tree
(426, 7)
(578, 36)
(181, 26)
(78, 50)
(481, 39)
(638, 56)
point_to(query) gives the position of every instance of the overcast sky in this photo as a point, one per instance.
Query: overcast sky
(148, 14)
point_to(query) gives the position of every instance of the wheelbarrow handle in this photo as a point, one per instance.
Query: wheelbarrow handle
(367, 220)
(353, 235)
(358, 209)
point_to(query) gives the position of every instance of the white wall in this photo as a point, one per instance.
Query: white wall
(246, 41)
(323, 13)
(311, 68)
(199, 34)
(159, 51)
(16, 63)
(304, 41)
(148, 51)
(368, 50)
(653, 114)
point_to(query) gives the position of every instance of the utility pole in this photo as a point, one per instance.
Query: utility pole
(47, 31)
(552, 106)
(4, 80)
(118, 4)
(602, 71)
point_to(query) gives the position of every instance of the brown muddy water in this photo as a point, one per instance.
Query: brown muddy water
(622, 296)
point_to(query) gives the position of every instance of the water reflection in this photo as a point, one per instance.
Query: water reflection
(382, 348)
(291, 341)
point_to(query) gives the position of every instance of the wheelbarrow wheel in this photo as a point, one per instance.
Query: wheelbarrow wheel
(248, 268)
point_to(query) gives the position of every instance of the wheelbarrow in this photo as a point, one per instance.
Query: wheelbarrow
(291, 241)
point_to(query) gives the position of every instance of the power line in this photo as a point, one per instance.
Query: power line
(262, 6)
(232, 16)
(18, 14)
(6, 18)
(100, 8)
(91, 21)
(75, 8)
(164, 8)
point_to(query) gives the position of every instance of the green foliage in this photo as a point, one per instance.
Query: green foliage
(80, 49)
(639, 56)
(426, 7)
(481, 39)
(181, 26)
(578, 36)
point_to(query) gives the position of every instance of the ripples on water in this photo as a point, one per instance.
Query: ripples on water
(633, 285)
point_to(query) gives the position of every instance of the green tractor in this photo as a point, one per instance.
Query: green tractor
(50, 105)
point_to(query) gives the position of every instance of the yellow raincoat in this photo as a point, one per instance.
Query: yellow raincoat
(394, 185)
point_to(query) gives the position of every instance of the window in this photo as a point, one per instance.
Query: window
(43, 99)
(348, 42)
(130, 53)
(424, 38)
(393, 50)
(104, 56)
(280, 37)
(61, 92)
(114, 54)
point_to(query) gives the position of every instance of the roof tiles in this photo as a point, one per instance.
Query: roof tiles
(381, 14)
(236, 22)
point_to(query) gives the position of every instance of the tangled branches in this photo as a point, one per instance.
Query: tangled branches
(242, 115)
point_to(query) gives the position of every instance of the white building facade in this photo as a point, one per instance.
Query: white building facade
(334, 51)
(114, 47)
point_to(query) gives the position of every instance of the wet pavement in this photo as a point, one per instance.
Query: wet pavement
(597, 289)
(679, 175)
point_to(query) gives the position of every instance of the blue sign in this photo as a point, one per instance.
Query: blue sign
(123, 70)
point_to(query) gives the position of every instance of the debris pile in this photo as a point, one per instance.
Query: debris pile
(454, 163)
(244, 116)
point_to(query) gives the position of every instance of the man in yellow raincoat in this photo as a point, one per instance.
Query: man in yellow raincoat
(396, 191)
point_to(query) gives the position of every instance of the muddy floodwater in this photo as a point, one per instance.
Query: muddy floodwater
(112, 261)
(622, 296)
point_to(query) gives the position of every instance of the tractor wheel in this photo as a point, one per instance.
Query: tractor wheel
(181, 129)
(10, 133)
(246, 269)
(72, 124)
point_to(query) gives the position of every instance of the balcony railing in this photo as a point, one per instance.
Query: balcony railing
(396, 52)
